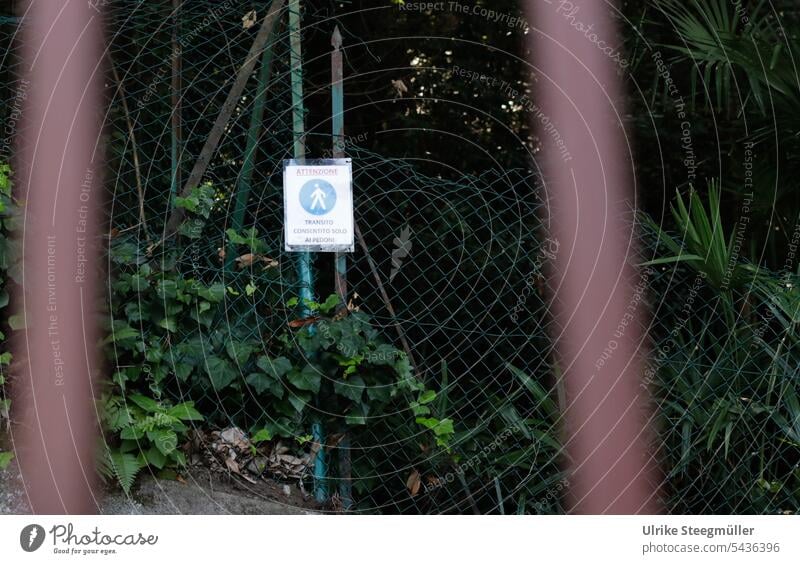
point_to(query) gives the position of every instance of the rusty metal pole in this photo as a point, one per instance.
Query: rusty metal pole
(59, 172)
(589, 195)
(337, 118)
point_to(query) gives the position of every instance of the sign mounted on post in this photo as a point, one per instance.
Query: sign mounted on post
(318, 205)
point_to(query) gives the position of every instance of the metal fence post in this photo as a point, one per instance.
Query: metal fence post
(304, 260)
(337, 119)
(340, 274)
(175, 88)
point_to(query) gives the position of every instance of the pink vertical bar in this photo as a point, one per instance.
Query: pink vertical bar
(589, 197)
(59, 182)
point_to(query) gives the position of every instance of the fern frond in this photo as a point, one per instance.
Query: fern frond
(121, 466)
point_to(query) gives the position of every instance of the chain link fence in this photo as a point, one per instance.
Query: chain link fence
(451, 271)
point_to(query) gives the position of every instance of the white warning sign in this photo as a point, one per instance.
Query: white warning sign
(318, 205)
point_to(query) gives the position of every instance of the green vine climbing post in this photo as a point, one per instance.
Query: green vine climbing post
(304, 260)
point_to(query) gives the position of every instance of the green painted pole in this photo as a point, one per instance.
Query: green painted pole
(253, 133)
(340, 276)
(304, 260)
(176, 86)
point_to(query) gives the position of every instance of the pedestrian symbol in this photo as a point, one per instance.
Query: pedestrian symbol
(318, 206)
(317, 196)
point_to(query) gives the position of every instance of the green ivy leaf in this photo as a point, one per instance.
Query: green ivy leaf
(347, 334)
(214, 293)
(384, 355)
(428, 422)
(155, 458)
(299, 400)
(262, 436)
(330, 303)
(261, 383)
(192, 228)
(167, 289)
(185, 412)
(308, 379)
(419, 410)
(169, 323)
(427, 397)
(148, 404)
(164, 440)
(132, 434)
(126, 253)
(445, 427)
(183, 371)
(134, 311)
(189, 203)
(355, 420)
(235, 238)
(192, 351)
(178, 457)
(352, 388)
(120, 332)
(240, 352)
(276, 367)
(221, 372)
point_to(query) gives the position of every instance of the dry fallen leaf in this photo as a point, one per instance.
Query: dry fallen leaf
(249, 19)
(232, 465)
(413, 483)
(400, 88)
(269, 262)
(248, 478)
(250, 258)
(332, 442)
(312, 455)
(297, 323)
(246, 260)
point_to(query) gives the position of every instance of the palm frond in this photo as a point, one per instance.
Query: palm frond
(720, 42)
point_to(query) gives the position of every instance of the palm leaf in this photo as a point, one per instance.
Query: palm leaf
(718, 42)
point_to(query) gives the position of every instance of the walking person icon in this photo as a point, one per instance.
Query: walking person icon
(317, 196)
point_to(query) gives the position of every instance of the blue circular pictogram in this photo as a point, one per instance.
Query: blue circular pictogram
(317, 196)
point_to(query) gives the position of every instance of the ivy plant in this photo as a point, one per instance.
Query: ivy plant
(9, 259)
(149, 434)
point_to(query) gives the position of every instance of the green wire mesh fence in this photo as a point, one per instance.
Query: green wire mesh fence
(451, 272)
